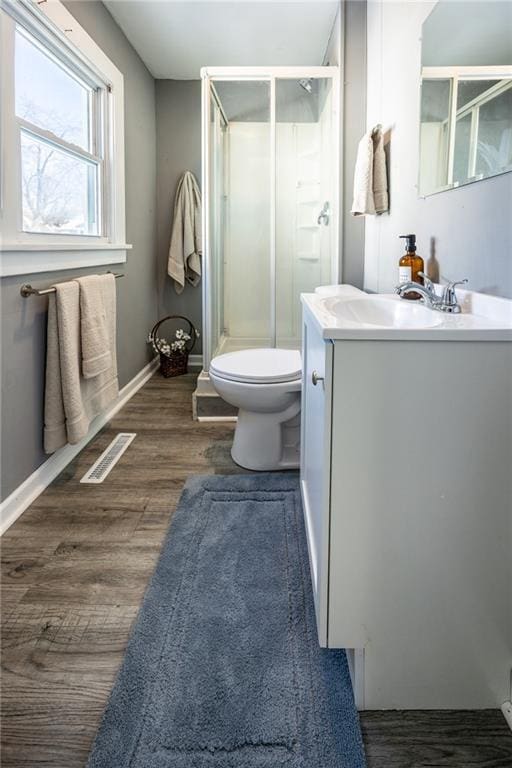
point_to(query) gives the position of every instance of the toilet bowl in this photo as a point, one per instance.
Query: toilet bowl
(265, 385)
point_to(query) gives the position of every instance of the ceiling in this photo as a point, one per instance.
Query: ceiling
(175, 38)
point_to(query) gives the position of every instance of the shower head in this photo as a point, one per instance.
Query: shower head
(306, 84)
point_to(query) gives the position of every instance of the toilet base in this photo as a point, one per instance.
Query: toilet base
(262, 443)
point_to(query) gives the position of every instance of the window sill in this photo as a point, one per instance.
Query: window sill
(31, 258)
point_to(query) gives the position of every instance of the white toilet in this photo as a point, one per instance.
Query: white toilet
(265, 385)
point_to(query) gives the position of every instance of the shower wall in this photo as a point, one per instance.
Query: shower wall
(303, 247)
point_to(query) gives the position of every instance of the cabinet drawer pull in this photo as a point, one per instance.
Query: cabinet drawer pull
(315, 378)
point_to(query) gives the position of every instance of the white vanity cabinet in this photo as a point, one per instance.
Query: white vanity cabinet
(317, 356)
(407, 488)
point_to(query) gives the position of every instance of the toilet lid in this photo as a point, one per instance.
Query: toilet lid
(258, 366)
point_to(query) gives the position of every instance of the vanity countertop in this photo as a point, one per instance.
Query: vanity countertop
(345, 312)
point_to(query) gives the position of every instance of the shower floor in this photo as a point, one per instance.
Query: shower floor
(234, 344)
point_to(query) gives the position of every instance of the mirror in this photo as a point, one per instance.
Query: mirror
(466, 94)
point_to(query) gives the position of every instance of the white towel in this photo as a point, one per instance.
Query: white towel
(370, 177)
(71, 402)
(96, 293)
(380, 176)
(185, 250)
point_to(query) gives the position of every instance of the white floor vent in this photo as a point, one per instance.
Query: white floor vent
(109, 458)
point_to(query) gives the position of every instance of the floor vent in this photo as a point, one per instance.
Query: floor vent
(109, 458)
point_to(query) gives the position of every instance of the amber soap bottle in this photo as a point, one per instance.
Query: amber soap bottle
(409, 266)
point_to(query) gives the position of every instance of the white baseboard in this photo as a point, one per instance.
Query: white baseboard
(506, 708)
(218, 419)
(355, 660)
(15, 504)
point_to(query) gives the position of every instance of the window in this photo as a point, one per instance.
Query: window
(60, 156)
(62, 143)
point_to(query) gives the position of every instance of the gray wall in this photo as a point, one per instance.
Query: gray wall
(354, 122)
(347, 50)
(178, 149)
(24, 320)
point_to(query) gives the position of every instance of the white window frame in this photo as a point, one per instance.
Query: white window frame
(29, 252)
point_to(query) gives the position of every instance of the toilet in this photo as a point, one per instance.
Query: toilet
(265, 385)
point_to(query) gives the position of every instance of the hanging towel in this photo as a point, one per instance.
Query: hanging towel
(71, 401)
(96, 292)
(370, 176)
(380, 176)
(185, 251)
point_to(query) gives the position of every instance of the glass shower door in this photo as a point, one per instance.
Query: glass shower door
(306, 208)
(247, 238)
(216, 214)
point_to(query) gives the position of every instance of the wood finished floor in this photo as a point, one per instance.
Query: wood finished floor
(74, 570)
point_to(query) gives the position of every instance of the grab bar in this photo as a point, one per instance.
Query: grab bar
(26, 290)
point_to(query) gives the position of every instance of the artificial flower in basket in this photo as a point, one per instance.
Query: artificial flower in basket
(173, 354)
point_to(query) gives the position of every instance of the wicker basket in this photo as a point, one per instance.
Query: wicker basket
(175, 363)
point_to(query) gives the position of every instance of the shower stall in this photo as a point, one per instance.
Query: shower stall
(270, 145)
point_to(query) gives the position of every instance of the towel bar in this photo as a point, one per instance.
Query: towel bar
(26, 290)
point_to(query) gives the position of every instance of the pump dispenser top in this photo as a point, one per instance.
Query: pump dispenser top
(410, 244)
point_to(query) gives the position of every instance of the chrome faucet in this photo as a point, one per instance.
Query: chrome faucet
(447, 302)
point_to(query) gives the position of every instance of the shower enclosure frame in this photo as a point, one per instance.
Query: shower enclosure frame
(209, 75)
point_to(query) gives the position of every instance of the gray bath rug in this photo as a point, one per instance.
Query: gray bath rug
(223, 668)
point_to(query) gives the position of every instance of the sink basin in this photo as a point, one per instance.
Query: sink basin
(383, 312)
(344, 312)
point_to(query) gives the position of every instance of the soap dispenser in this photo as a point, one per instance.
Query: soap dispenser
(410, 265)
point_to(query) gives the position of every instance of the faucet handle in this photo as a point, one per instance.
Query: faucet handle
(449, 295)
(458, 282)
